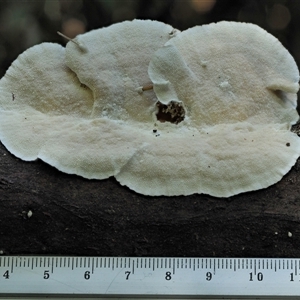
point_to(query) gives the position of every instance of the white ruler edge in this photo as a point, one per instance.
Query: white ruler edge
(148, 277)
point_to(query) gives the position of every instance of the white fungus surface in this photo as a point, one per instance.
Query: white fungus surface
(115, 66)
(83, 109)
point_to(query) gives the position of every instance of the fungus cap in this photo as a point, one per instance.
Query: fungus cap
(82, 109)
(46, 112)
(115, 64)
(227, 72)
(238, 85)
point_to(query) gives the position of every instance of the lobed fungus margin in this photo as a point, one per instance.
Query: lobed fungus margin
(206, 110)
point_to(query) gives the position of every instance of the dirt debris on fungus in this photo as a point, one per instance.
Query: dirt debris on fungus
(172, 112)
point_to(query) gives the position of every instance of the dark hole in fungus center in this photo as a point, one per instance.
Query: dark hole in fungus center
(172, 112)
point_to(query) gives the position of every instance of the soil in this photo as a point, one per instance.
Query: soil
(46, 212)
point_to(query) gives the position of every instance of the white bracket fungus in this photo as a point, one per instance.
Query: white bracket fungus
(207, 110)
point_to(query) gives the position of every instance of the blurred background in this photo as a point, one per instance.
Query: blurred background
(24, 23)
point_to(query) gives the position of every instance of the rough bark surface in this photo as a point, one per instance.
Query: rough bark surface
(75, 216)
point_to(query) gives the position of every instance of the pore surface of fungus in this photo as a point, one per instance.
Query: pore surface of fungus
(217, 120)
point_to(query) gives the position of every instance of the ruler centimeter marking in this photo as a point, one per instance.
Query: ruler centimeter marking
(149, 277)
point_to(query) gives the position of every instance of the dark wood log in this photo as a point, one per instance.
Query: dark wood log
(75, 216)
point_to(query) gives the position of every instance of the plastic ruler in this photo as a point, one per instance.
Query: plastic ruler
(149, 277)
